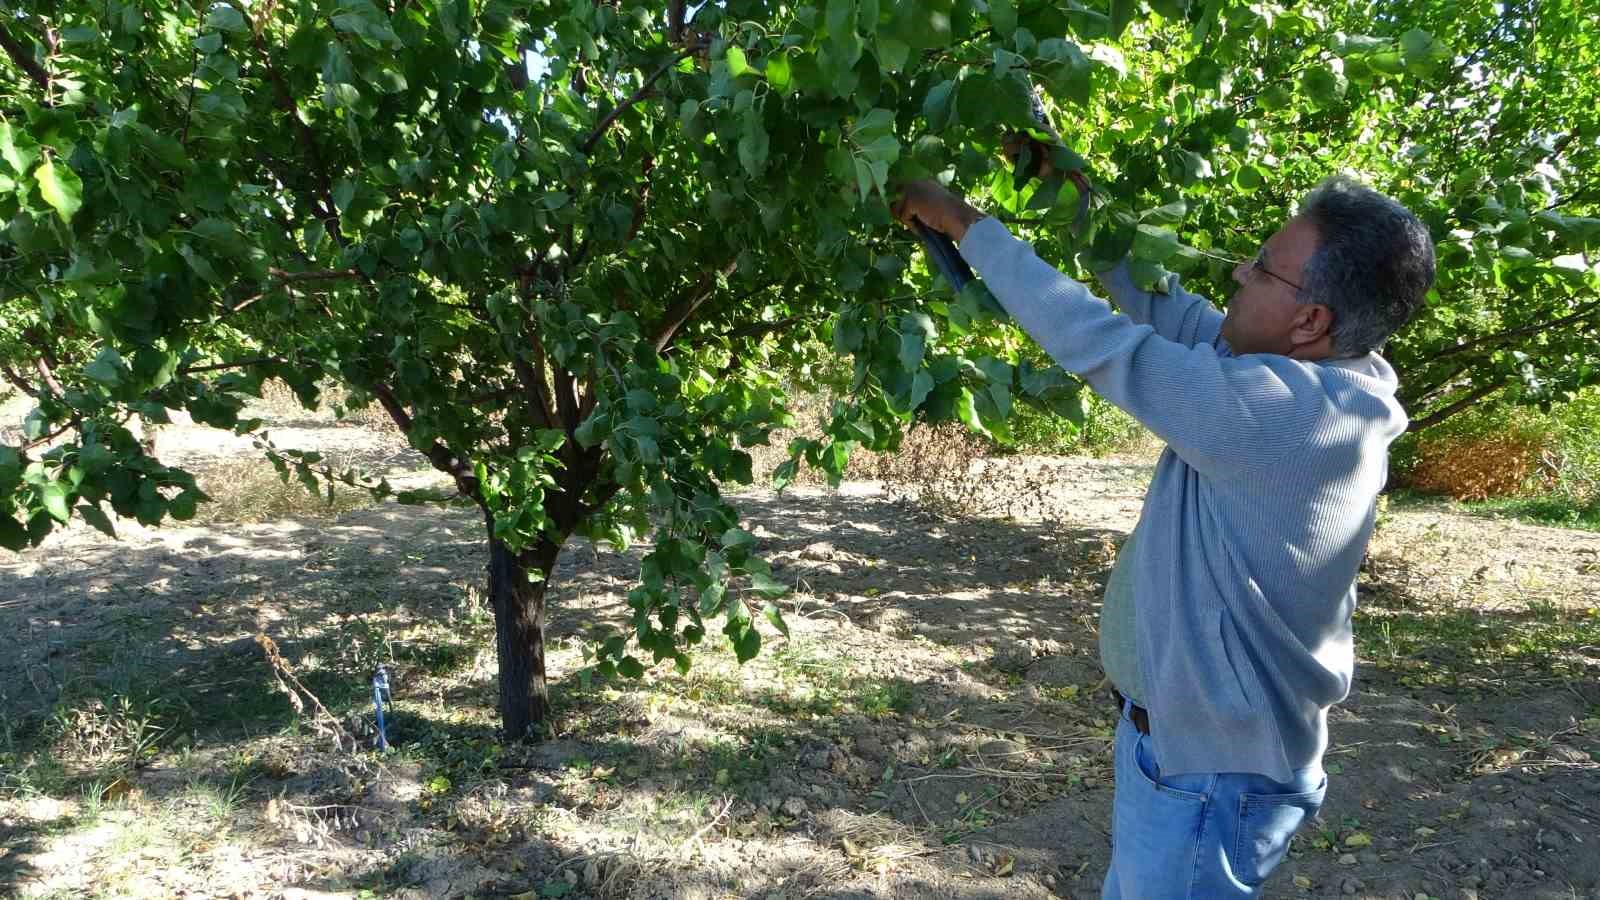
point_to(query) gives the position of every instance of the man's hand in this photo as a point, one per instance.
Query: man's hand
(1039, 158)
(929, 203)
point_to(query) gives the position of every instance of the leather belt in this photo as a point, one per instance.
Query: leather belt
(1141, 719)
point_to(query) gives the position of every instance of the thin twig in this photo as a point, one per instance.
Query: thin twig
(635, 97)
(695, 838)
(47, 438)
(282, 673)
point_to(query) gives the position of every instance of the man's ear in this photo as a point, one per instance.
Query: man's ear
(1312, 322)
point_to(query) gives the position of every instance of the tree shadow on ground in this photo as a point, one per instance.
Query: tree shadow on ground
(923, 752)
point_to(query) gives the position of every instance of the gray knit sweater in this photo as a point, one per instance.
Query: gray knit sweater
(1256, 518)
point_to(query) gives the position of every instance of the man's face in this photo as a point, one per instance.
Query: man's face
(1263, 314)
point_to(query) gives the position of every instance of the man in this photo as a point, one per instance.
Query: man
(1226, 627)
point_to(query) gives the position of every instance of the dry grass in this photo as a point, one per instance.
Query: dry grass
(1509, 463)
(250, 490)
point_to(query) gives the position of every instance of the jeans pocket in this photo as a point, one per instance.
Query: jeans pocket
(1192, 788)
(1266, 823)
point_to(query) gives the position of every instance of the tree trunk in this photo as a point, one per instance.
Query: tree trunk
(519, 634)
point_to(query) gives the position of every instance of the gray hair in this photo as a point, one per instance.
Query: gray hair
(1373, 264)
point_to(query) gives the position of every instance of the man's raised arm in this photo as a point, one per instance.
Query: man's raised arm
(1179, 316)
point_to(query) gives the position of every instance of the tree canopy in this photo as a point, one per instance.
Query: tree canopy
(577, 250)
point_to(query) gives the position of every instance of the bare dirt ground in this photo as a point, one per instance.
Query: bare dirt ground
(934, 726)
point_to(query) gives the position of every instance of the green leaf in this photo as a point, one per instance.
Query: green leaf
(921, 386)
(1003, 15)
(779, 71)
(784, 474)
(766, 585)
(199, 264)
(738, 539)
(17, 148)
(936, 107)
(1122, 12)
(746, 640)
(10, 469)
(775, 616)
(60, 187)
(1416, 45)
(344, 192)
(54, 497)
(711, 598)
(106, 368)
(753, 146)
(967, 412)
(35, 424)
(1323, 86)
(629, 667)
(864, 177)
(892, 54)
(1248, 178)
(226, 18)
(12, 535)
(96, 517)
(738, 64)
(1274, 97)
(916, 330)
(1154, 243)
(842, 21)
(1167, 214)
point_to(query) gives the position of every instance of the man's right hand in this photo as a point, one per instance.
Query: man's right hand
(928, 202)
(1039, 162)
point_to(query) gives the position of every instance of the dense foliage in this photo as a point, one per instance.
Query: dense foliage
(574, 249)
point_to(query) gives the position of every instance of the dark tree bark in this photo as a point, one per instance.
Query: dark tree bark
(519, 620)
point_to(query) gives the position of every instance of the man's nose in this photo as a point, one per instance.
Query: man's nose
(1241, 272)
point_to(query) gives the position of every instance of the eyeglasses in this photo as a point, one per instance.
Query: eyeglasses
(1256, 265)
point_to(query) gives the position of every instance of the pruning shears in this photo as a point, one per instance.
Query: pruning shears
(942, 250)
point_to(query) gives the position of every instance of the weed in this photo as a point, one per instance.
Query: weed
(115, 731)
(1461, 648)
(1554, 508)
(220, 802)
(880, 699)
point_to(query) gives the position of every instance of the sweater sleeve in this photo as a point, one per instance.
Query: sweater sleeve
(1223, 415)
(1179, 316)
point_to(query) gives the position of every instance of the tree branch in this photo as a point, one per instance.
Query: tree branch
(49, 377)
(19, 56)
(438, 454)
(533, 389)
(675, 21)
(286, 278)
(1440, 415)
(635, 97)
(566, 398)
(47, 438)
(679, 313)
(646, 166)
(16, 379)
(758, 329)
(325, 208)
(1426, 392)
(1504, 336)
(262, 361)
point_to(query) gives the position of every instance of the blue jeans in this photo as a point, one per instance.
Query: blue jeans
(1198, 835)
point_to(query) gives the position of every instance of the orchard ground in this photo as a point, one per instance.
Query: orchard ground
(934, 725)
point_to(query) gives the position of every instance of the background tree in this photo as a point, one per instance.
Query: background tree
(574, 249)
